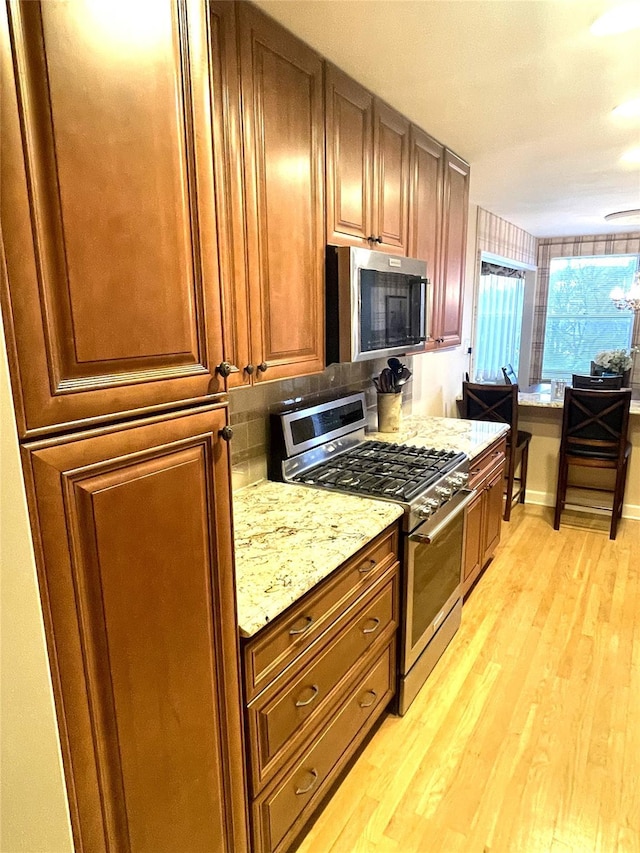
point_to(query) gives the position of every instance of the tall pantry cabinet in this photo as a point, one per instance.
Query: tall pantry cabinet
(111, 194)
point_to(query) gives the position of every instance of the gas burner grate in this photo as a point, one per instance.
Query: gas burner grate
(378, 469)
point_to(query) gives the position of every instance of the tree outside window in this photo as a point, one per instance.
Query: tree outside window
(581, 317)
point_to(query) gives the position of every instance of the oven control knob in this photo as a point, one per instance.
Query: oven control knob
(457, 480)
(423, 511)
(443, 492)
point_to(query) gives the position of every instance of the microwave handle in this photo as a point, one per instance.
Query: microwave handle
(428, 294)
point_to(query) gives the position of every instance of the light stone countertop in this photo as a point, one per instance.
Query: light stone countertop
(288, 538)
(542, 400)
(471, 437)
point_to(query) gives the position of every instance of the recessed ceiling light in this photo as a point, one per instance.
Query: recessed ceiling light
(630, 216)
(631, 156)
(620, 19)
(630, 109)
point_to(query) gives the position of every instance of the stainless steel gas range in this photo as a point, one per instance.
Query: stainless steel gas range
(324, 445)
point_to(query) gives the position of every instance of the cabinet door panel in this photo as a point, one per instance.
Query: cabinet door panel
(283, 116)
(456, 206)
(391, 147)
(227, 137)
(349, 159)
(474, 541)
(493, 514)
(425, 212)
(108, 208)
(137, 573)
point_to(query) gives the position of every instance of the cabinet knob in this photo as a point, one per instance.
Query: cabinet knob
(439, 340)
(374, 239)
(249, 369)
(226, 433)
(373, 695)
(378, 239)
(225, 369)
(262, 367)
(314, 779)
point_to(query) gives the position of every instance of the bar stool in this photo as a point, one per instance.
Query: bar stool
(594, 435)
(499, 403)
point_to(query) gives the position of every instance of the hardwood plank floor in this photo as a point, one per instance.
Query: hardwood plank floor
(526, 738)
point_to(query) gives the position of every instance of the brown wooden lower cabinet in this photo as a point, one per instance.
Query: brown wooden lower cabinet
(134, 556)
(324, 695)
(484, 514)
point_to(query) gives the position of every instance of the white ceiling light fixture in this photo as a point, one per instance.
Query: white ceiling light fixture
(630, 216)
(629, 109)
(618, 20)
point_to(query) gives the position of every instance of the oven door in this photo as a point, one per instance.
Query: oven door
(433, 577)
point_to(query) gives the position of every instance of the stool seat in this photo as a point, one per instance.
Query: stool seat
(595, 426)
(499, 403)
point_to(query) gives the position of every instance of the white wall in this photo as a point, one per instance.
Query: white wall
(34, 816)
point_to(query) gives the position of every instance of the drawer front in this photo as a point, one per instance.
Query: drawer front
(484, 465)
(278, 724)
(277, 646)
(282, 810)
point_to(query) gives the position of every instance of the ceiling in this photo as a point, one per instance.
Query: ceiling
(519, 88)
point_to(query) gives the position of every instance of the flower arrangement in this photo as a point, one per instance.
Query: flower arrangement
(615, 360)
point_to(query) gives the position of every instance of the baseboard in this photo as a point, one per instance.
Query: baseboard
(546, 499)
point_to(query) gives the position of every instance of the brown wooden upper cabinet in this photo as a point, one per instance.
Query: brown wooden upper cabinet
(108, 206)
(438, 212)
(367, 167)
(134, 553)
(283, 134)
(425, 215)
(448, 314)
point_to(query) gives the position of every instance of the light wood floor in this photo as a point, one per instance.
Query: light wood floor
(526, 738)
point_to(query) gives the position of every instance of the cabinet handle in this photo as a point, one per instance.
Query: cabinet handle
(263, 366)
(367, 566)
(249, 370)
(375, 627)
(314, 779)
(439, 340)
(373, 695)
(378, 239)
(308, 622)
(371, 239)
(225, 369)
(314, 692)
(226, 433)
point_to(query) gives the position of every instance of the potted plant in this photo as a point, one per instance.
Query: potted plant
(614, 361)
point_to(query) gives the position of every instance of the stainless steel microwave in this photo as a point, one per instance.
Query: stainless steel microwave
(376, 304)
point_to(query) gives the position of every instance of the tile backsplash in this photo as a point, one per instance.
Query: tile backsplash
(249, 409)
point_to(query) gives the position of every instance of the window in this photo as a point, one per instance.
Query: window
(498, 321)
(581, 317)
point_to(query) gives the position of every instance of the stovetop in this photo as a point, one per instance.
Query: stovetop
(324, 445)
(377, 469)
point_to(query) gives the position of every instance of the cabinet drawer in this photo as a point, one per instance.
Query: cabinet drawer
(282, 810)
(279, 723)
(483, 466)
(276, 647)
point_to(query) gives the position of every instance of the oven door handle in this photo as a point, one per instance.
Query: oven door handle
(437, 530)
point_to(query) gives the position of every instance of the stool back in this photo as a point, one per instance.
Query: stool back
(498, 403)
(595, 423)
